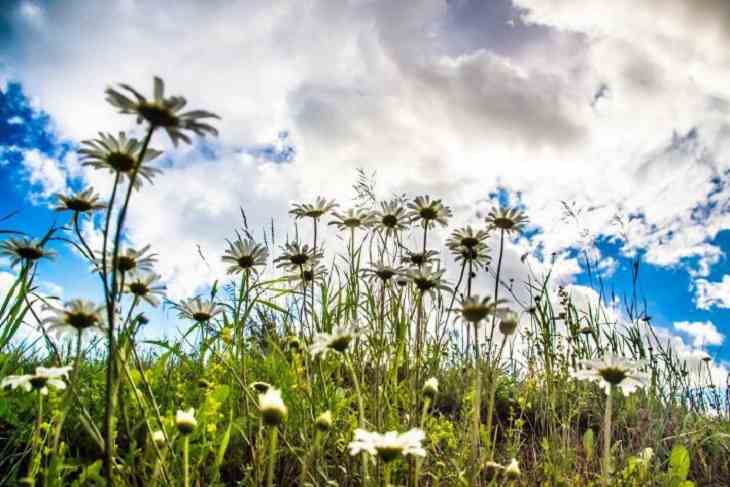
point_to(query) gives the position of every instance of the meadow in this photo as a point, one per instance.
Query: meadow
(360, 367)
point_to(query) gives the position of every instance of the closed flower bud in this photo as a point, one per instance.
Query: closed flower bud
(159, 438)
(431, 387)
(185, 421)
(508, 323)
(324, 421)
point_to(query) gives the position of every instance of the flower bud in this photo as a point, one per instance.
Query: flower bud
(431, 387)
(158, 437)
(185, 421)
(508, 323)
(513, 470)
(272, 407)
(324, 421)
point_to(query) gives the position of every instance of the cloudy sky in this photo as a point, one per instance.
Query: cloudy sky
(606, 121)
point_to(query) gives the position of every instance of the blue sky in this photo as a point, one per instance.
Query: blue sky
(452, 98)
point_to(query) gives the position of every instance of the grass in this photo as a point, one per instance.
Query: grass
(480, 396)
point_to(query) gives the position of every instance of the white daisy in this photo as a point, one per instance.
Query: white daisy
(613, 371)
(43, 377)
(337, 341)
(390, 445)
(272, 407)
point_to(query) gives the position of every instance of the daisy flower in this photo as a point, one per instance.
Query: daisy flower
(612, 371)
(507, 219)
(296, 255)
(429, 211)
(24, 250)
(245, 255)
(185, 421)
(420, 258)
(43, 378)
(308, 274)
(312, 210)
(146, 288)
(162, 112)
(392, 217)
(119, 155)
(77, 316)
(428, 280)
(382, 272)
(474, 309)
(352, 219)
(130, 259)
(388, 446)
(339, 340)
(85, 201)
(198, 309)
(272, 407)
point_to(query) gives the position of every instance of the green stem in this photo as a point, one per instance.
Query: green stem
(607, 437)
(310, 457)
(361, 409)
(273, 432)
(492, 395)
(186, 461)
(476, 419)
(386, 474)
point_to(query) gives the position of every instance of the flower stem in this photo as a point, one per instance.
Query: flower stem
(361, 409)
(607, 437)
(273, 438)
(186, 462)
(386, 474)
(476, 420)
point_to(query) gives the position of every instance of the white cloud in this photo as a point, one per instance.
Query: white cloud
(702, 334)
(43, 171)
(713, 294)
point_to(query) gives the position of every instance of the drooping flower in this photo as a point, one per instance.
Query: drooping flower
(428, 211)
(119, 155)
(295, 256)
(392, 217)
(85, 201)
(163, 112)
(77, 316)
(428, 280)
(185, 421)
(24, 250)
(388, 446)
(198, 309)
(339, 340)
(466, 237)
(43, 378)
(612, 371)
(352, 219)
(510, 220)
(145, 287)
(272, 407)
(245, 255)
(508, 323)
(312, 210)
(478, 255)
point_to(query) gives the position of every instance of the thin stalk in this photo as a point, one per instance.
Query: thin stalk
(273, 438)
(186, 461)
(476, 419)
(361, 410)
(492, 394)
(607, 437)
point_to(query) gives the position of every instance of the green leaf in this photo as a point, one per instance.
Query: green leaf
(679, 462)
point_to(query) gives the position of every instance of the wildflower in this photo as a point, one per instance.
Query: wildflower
(312, 210)
(352, 219)
(586, 330)
(158, 437)
(185, 421)
(492, 469)
(199, 310)
(82, 202)
(383, 272)
(512, 471)
(474, 309)
(272, 407)
(245, 255)
(338, 340)
(392, 217)
(507, 219)
(120, 156)
(431, 387)
(428, 280)
(296, 256)
(77, 316)
(419, 259)
(324, 421)
(466, 237)
(163, 112)
(477, 255)
(429, 211)
(40, 381)
(24, 250)
(146, 288)
(613, 371)
(294, 343)
(388, 446)
(131, 260)
(260, 387)
(307, 275)
(508, 323)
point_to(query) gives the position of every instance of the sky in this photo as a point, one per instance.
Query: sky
(605, 121)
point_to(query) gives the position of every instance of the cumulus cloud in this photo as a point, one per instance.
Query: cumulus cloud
(713, 294)
(46, 173)
(702, 333)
